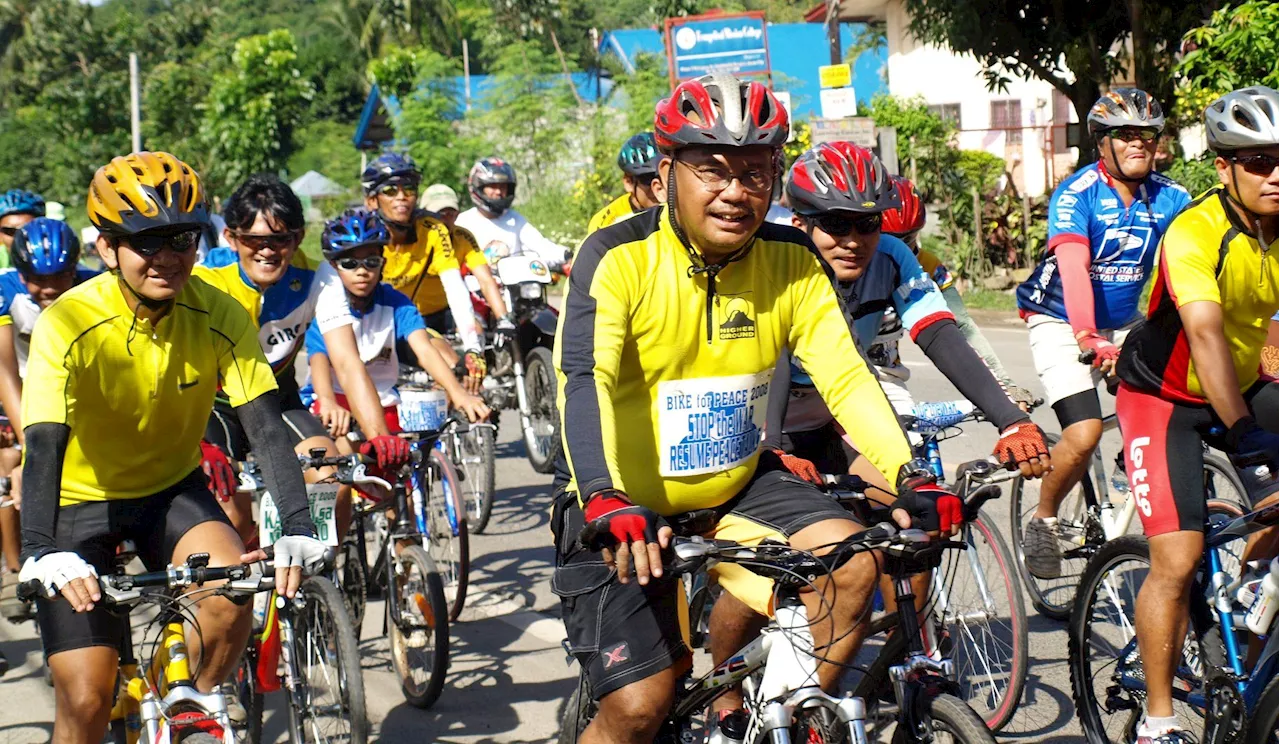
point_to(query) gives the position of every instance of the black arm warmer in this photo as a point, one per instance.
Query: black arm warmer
(945, 346)
(42, 486)
(779, 397)
(269, 440)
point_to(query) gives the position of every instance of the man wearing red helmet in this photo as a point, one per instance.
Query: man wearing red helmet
(673, 319)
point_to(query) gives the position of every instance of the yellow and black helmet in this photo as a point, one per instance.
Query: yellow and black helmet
(146, 191)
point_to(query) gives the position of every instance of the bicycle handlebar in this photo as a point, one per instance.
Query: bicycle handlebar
(124, 589)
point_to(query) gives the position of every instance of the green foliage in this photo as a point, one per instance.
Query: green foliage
(1196, 176)
(642, 90)
(923, 136)
(325, 147)
(252, 110)
(529, 107)
(980, 168)
(397, 71)
(1235, 49)
(427, 121)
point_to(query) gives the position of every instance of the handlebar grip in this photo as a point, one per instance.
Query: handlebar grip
(29, 591)
(1087, 357)
(845, 481)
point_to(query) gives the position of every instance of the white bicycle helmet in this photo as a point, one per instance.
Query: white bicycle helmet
(1243, 118)
(1125, 107)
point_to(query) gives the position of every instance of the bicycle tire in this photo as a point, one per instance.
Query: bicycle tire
(419, 582)
(952, 720)
(1264, 724)
(352, 580)
(321, 599)
(246, 682)
(478, 477)
(540, 391)
(200, 737)
(1053, 598)
(1000, 649)
(450, 545)
(579, 709)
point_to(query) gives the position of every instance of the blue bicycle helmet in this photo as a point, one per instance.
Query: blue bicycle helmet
(389, 166)
(354, 229)
(43, 247)
(17, 201)
(639, 156)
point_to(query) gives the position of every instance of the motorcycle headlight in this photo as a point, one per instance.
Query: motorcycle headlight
(531, 290)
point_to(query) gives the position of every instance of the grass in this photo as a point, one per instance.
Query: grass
(978, 298)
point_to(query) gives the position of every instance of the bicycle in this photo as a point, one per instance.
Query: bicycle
(416, 619)
(1211, 683)
(157, 702)
(1086, 522)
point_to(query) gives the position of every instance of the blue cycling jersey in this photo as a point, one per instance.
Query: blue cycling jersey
(19, 308)
(1085, 208)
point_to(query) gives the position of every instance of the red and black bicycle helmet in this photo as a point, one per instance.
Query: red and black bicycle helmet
(840, 176)
(907, 218)
(720, 110)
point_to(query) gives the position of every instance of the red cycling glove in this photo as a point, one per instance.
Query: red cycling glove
(1103, 350)
(613, 519)
(1020, 443)
(217, 468)
(930, 505)
(391, 452)
(800, 466)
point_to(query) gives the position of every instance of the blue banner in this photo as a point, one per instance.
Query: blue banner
(734, 44)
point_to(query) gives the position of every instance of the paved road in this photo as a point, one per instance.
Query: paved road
(508, 675)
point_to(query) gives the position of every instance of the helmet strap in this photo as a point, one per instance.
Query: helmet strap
(1253, 218)
(1120, 174)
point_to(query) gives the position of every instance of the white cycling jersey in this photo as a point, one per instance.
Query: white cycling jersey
(512, 230)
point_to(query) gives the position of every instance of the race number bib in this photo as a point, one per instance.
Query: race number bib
(323, 498)
(423, 410)
(710, 424)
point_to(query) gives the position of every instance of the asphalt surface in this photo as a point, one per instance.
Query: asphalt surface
(509, 675)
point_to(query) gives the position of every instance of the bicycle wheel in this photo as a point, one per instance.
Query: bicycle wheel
(980, 603)
(420, 640)
(950, 720)
(1078, 531)
(818, 726)
(329, 695)
(1106, 669)
(447, 532)
(542, 444)
(579, 709)
(1264, 725)
(474, 453)
(351, 578)
(249, 696)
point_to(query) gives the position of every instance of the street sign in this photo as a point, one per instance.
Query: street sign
(735, 43)
(835, 76)
(838, 103)
(860, 131)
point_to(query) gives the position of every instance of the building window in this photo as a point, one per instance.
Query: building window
(948, 111)
(1007, 115)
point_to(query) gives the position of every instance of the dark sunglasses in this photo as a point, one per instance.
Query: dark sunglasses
(10, 231)
(1129, 134)
(278, 241)
(1259, 164)
(392, 189)
(372, 263)
(150, 245)
(839, 225)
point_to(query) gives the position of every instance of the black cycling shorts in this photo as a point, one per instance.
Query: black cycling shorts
(623, 633)
(1164, 455)
(94, 529)
(825, 447)
(224, 427)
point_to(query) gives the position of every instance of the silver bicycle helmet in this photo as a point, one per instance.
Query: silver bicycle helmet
(1243, 118)
(1125, 107)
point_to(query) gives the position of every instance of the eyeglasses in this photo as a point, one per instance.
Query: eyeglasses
(839, 225)
(1259, 163)
(1129, 134)
(10, 231)
(717, 178)
(372, 263)
(394, 189)
(150, 245)
(276, 241)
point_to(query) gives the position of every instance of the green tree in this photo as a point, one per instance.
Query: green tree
(429, 121)
(529, 108)
(1235, 49)
(253, 108)
(326, 147)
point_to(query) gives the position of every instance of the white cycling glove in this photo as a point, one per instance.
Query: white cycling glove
(300, 550)
(55, 570)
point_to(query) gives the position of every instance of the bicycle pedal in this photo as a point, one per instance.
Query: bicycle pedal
(1117, 701)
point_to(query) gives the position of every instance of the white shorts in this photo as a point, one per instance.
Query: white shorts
(1057, 356)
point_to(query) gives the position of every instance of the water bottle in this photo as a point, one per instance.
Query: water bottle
(260, 601)
(1263, 609)
(1119, 478)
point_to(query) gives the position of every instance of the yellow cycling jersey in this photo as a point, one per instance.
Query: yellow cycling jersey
(415, 269)
(664, 374)
(1207, 255)
(614, 212)
(137, 396)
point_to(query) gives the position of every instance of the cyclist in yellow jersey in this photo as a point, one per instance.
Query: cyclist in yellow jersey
(671, 326)
(121, 377)
(638, 161)
(422, 262)
(1193, 366)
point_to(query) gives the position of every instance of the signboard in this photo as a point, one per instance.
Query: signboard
(838, 103)
(734, 43)
(859, 131)
(835, 76)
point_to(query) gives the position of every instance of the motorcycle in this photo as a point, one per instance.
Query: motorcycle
(521, 375)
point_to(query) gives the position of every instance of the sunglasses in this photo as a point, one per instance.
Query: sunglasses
(838, 225)
(394, 189)
(1259, 164)
(10, 231)
(150, 245)
(372, 263)
(277, 241)
(1129, 134)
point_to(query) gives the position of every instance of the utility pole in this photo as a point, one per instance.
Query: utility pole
(833, 31)
(466, 75)
(135, 114)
